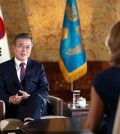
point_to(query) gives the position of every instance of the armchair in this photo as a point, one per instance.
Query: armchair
(12, 125)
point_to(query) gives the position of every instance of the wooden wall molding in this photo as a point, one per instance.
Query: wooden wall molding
(60, 88)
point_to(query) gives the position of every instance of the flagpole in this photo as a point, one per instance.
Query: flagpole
(72, 86)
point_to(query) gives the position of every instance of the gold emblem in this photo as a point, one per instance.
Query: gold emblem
(75, 50)
(78, 30)
(64, 33)
(71, 11)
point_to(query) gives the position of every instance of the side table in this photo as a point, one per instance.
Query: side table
(76, 113)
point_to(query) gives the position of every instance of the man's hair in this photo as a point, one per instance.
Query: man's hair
(114, 44)
(23, 36)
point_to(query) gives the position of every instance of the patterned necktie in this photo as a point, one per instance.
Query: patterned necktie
(22, 72)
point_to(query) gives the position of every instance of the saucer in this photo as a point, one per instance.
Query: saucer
(81, 106)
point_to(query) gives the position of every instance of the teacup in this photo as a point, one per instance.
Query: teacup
(81, 102)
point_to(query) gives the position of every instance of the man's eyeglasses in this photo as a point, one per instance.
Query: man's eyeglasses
(21, 47)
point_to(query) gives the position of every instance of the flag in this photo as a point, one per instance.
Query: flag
(72, 58)
(4, 49)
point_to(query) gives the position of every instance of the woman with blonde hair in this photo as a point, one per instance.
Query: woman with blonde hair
(106, 89)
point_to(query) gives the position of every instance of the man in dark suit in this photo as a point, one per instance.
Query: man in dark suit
(25, 93)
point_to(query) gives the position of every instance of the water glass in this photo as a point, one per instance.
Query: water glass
(72, 105)
(76, 95)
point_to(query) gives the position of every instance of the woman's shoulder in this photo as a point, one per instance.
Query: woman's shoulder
(108, 72)
(106, 76)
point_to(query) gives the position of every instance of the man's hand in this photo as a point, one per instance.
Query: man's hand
(16, 99)
(25, 95)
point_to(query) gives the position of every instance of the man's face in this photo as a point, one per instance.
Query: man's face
(22, 49)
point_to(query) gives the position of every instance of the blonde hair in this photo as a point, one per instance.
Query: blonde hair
(114, 44)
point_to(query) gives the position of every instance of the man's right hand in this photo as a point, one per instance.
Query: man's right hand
(15, 99)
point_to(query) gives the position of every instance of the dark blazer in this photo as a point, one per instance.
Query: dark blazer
(36, 81)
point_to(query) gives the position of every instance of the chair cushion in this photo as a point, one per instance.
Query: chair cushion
(10, 124)
(52, 116)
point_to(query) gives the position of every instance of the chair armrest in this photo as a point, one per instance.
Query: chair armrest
(2, 109)
(57, 105)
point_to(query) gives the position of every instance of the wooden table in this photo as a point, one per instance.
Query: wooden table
(55, 126)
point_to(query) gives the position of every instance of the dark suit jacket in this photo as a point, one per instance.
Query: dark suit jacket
(36, 81)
